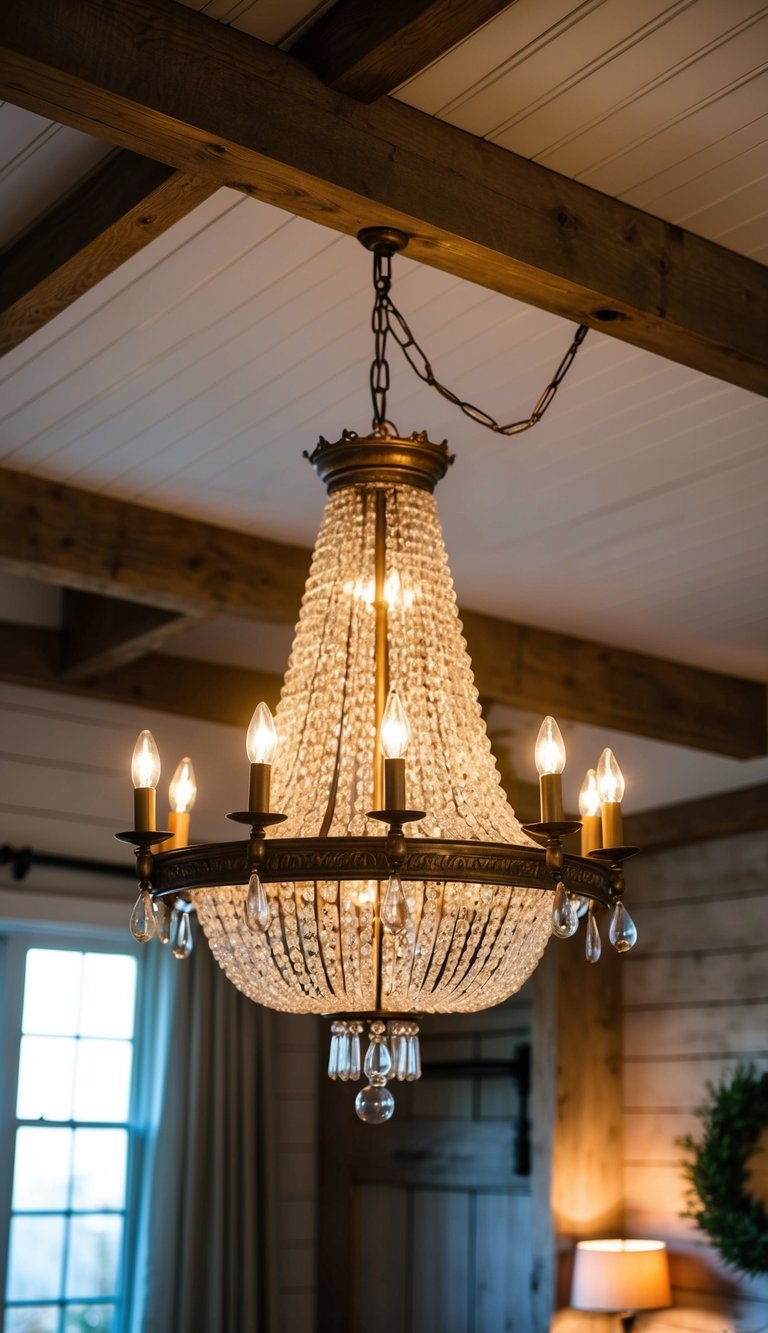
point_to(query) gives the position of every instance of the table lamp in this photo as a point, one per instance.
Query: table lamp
(620, 1277)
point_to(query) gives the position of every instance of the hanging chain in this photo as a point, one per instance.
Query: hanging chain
(388, 319)
(380, 323)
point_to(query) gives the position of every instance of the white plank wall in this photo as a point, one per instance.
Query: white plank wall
(65, 788)
(695, 1004)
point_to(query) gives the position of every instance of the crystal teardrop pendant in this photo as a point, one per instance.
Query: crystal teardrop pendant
(181, 935)
(622, 931)
(333, 1054)
(256, 904)
(163, 919)
(354, 1051)
(593, 945)
(344, 1052)
(378, 1061)
(143, 924)
(394, 908)
(565, 918)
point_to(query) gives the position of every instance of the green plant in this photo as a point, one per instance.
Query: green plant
(719, 1201)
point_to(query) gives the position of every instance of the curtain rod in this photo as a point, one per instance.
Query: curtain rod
(21, 860)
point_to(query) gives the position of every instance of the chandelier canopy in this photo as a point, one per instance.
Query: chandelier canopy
(396, 879)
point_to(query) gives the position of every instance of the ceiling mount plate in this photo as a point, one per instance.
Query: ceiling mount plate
(383, 240)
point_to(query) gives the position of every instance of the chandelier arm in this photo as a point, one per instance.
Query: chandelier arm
(417, 359)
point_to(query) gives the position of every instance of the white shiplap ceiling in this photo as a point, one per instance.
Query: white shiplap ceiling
(193, 377)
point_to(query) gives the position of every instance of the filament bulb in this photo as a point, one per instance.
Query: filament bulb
(395, 731)
(549, 754)
(145, 764)
(261, 741)
(610, 780)
(182, 792)
(589, 796)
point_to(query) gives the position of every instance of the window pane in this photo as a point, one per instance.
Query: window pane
(103, 1080)
(32, 1319)
(109, 990)
(52, 992)
(89, 1318)
(35, 1258)
(46, 1072)
(94, 1250)
(41, 1168)
(99, 1168)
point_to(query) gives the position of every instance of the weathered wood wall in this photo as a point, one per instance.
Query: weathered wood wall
(695, 1004)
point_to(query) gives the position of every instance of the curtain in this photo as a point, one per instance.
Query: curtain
(205, 1256)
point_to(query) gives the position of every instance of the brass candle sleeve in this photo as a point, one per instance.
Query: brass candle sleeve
(144, 809)
(551, 797)
(612, 824)
(394, 784)
(258, 791)
(591, 834)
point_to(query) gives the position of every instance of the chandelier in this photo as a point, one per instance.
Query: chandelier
(385, 876)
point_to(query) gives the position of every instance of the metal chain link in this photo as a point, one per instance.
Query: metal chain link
(388, 319)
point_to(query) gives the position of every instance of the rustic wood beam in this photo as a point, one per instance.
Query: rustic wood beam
(96, 544)
(179, 685)
(161, 79)
(90, 542)
(369, 50)
(723, 816)
(100, 634)
(122, 206)
(544, 672)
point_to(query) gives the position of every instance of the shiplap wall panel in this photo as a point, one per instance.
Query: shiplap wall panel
(39, 162)
(295, 1050)
(501, 1287)
(440, 1290)
(696, 1004)
(604, 111)
(634, 100)
(380, 1279)
(657, 173)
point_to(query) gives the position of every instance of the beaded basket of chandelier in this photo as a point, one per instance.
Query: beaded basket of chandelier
(396, 879)
(369, 944)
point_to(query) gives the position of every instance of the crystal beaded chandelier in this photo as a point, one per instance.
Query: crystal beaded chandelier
(396, 880)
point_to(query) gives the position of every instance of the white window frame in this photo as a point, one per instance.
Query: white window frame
(82, 926)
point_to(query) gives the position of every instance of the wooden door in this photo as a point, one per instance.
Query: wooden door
(425, 1224)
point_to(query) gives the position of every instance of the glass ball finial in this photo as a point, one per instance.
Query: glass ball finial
(374, 1105)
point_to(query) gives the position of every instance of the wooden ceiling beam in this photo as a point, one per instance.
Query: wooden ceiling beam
(163, 80)
(367, 51)
(122, 206)
(726, 815)
(211, 692)
(78, 539)
(101, 634)
(96, 544)
(179, 685)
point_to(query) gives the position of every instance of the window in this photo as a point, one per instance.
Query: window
(70, 1023)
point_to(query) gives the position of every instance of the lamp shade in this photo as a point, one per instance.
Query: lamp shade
(614, 1275)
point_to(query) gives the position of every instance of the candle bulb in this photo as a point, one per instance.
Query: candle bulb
(395, 734)
(550, 762)
(589, 809)
(610, 785)
(182, 794)
(145, 773)
(260, 744)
